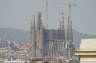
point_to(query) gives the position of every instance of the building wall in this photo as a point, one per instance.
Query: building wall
(88, 59)
(87, 51)
(40, 43)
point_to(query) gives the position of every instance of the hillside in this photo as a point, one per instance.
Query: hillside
(22, 36)
(13, 34)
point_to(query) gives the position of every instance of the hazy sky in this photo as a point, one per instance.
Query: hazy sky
(17, 14)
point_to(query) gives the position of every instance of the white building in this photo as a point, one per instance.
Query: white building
(87, 51)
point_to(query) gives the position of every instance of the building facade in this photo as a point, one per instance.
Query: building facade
(51, 42)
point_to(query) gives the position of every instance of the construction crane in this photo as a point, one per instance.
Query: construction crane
(46, 10)
(46, 13)
(69, 4)
(69, 30)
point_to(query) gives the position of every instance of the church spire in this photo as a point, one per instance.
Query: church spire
(39, 21)
(33, 38)
(62, 21)
(69, 30)
(62, 24)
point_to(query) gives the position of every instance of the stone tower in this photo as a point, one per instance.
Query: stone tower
(70, 44)
(69, 30)
(62, 21)
(39, 36)
(33, 37)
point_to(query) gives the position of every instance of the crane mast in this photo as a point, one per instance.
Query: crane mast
(46, 13)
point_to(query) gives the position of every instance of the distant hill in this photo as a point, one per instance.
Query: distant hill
(13, 34)
(22, 36)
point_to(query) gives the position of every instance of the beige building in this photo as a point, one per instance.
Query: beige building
(87, 51)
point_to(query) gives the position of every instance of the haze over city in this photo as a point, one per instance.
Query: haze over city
(47, 31)
(18, 13)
